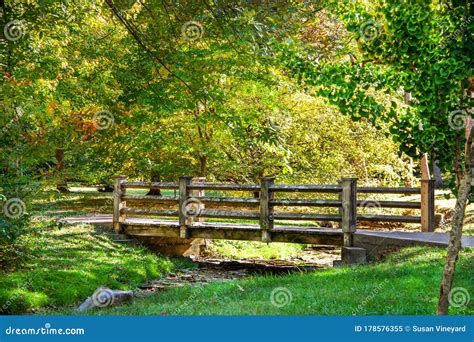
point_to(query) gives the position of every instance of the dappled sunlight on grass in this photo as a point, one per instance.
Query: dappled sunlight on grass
(402, 285)
(67, 265)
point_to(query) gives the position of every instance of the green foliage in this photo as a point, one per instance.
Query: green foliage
(400, 49)
(11, 229)
(214, 106)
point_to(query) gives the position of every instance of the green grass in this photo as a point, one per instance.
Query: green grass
(406, 284)
(63, 267)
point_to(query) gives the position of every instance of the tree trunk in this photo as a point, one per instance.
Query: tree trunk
(455, 235)
(453, 247)
(202, 166)
(155, 177)
(62, 185)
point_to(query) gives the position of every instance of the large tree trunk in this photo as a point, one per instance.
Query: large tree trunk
(455, 235)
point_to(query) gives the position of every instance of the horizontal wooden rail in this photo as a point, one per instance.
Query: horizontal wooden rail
(305, 203)
(230, 200)
(377, 190)
(157, 199)
(237, 214)
(389, 204)
(190, 204)
(149, 185)
(226, 187)
(306, 188)
(150, 212)
(306, 217)
(389, 218)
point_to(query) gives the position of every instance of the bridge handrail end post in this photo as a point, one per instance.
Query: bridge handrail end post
(349, 210)
(119, 191)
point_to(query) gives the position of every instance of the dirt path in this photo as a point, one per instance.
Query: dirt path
(212, 270)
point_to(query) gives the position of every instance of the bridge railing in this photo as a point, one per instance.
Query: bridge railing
(189, 202)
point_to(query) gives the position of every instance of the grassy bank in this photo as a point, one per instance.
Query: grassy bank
(63, 267)
(405, 284)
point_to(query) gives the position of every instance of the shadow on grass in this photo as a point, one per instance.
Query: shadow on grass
(406, 284)
(66, 266)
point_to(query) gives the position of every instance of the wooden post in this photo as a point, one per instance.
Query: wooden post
(427, 205)
(198, 193)
(266, 210)
(349, 210)
(425, 170)
(339, 210)
(183, 197)
(119, 191)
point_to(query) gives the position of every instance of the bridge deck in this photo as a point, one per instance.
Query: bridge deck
(369, 239)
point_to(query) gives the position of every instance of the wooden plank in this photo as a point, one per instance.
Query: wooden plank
(389, 204)
(305, 188)
(377, 190)
(308, 217)
(151, 212)
(389, 218)
(154, 231)
(238, 214)
(305, 203)
(225, 187)
(319, 236)
(150, 185)
(230, 200)
(159, 199)
(151, 223)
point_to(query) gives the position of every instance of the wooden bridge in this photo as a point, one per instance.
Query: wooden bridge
(182, 216)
